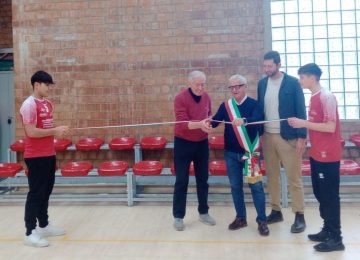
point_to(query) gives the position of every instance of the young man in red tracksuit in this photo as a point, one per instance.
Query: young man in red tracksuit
(325, 155)
(37, 118)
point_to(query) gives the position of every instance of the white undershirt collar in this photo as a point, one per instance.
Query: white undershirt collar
(242, 101)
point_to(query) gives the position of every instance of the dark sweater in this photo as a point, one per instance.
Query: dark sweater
(248, 109)
(186, 108)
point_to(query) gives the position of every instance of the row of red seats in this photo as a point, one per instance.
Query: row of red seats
(217, 142)
(355, 139)
(347, 167)
(151, 168)
(94, 144)
(127, 143)
(119, 143)
(112, 168)
(142, 167)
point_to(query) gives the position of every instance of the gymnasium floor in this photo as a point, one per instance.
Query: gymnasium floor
(114, 231)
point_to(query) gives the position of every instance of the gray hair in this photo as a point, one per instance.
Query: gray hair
(239, 78)
(196, 74)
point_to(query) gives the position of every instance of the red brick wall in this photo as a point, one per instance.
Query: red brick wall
(5, 24)
(122, 62)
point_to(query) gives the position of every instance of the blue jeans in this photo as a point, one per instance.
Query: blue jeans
(235, 165)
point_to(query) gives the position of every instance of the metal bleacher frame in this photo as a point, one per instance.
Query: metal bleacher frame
(135, 183)
(166, 179)
(92, 179)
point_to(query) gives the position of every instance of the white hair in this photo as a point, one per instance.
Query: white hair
(196, 74)
(239, 78)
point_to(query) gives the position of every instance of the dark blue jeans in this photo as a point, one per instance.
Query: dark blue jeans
(185, 152)
(235, 165)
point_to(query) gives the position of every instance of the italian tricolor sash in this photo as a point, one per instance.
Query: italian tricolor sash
(251, 148)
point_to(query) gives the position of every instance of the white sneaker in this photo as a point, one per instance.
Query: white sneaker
(35, 240)
(50, 231)
(179, 224)
(207, 219)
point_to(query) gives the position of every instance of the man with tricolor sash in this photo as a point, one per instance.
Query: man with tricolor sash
(241, 151)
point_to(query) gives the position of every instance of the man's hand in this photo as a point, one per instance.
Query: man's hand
(238, 121)
(61, 131)
(297, 122)
(206, 125)
(300, 145)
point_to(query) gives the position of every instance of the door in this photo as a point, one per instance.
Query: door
(7, 116)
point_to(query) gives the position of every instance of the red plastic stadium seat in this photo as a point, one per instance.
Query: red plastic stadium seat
(122, 143)
(146, 168)
(18, 146)
(305, 168)
(217, 167)
(191, 169)
(349, 167)
(61, 144)
(216, 142)
(342, 142)
(355, 139)
(113, 168)
(76, 169)
(89, 144)
(9, 169)
(153, 142)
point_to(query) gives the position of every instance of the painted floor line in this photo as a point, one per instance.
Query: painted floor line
(159, 241)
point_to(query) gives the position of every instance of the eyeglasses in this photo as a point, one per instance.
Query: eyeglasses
(236, 87)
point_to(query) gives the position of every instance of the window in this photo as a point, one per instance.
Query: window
(326, 32)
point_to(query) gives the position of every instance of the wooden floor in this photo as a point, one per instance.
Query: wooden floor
(113, 231)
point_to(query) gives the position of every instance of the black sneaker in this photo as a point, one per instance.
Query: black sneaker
(330, 245)
(275, 216)
(322, 236)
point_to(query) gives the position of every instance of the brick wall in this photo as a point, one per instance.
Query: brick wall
(122, 62)
(5, 24)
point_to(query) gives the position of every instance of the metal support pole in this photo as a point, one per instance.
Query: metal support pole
(284, 189)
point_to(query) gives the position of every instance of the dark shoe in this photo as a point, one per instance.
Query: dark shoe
(330, 245)
(238, 223)
(322, 236)
(299, 223)
(263, 229)
(275, 216)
